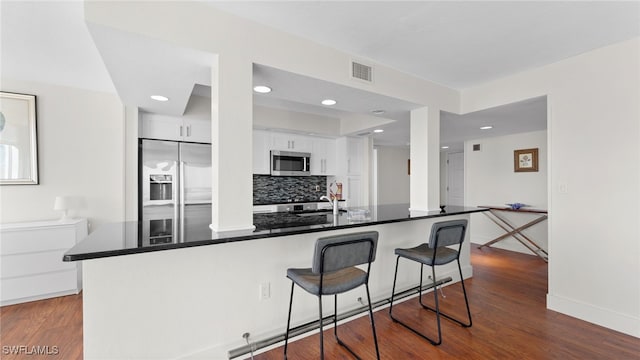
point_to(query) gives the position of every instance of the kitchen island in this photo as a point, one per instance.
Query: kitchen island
(195, 297)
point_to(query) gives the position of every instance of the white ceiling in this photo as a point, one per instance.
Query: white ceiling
(49, 42)
(522, 116)
(458, 44)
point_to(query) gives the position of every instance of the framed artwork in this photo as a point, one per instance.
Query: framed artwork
(18, 139)
(525, 160)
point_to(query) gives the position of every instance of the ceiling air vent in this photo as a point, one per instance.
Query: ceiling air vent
(361, 72)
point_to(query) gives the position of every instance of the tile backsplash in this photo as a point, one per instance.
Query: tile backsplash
(281, 189)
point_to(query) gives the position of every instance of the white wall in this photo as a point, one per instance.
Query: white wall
(491, 181)
(594, 178)
(393, 180)
(80, 153)
(267, 117)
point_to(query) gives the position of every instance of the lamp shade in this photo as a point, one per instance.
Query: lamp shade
(61, 203)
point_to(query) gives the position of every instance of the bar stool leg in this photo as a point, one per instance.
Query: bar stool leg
(320, 327)
(393, 289)
(466, 301)
(373, 324)
(286, 334)
(435, 296)
(464, 291)
(395, 276)
(335, 318)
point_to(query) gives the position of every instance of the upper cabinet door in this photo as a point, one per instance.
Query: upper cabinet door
(291, 142)
(354, 156)
(197, 131)
(164, 127)
(261, 152)
(350, 156)
(323, 157)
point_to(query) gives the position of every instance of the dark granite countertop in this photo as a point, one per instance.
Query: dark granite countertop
(123, 238)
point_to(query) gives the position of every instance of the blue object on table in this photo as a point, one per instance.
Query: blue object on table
(516, 206)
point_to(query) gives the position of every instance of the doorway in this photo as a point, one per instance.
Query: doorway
(455, 179)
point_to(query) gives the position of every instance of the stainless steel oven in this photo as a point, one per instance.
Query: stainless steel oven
(289, 163)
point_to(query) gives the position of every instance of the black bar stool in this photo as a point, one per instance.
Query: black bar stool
(436, 252)
(333, 272)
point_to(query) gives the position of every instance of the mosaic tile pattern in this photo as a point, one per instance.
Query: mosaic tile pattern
(281, 189)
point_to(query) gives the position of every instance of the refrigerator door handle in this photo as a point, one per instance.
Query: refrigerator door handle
(176, 202)
(181, 200)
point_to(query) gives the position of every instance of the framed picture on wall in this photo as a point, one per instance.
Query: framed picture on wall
(18, 140)
(525, 160)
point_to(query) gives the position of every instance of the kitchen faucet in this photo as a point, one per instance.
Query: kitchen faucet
(333, 203)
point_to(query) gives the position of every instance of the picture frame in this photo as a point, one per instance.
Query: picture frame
(18, 139)
(525, 160)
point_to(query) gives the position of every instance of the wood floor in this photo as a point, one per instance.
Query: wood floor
(510, 321)
(54, 325)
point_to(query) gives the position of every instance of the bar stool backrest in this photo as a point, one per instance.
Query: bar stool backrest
(338, 252)
(447, 233)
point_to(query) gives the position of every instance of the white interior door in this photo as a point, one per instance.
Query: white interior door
(455, 179)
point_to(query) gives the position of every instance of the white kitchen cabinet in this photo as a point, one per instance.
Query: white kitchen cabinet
(323, 157)
(164, 127)
(261, 156)
(354, 194)
(291, 142)
(31, 260)
(350, 157)
(354, 156)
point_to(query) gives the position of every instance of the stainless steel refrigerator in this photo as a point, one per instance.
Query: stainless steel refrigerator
(175, 190)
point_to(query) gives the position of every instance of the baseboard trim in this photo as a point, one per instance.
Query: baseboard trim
(596, 315)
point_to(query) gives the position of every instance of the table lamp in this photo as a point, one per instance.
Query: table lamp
(62, 203)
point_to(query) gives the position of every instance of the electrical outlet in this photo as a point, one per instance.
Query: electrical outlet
(563, 188)
(265, 291)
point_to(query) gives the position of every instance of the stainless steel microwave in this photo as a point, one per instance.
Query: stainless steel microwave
(289, 163)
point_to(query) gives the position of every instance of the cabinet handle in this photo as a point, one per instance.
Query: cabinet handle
(293, 144)
(188, 130)
(348, 165)
(180, 130)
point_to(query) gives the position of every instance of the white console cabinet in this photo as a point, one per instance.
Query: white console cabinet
(31, 260)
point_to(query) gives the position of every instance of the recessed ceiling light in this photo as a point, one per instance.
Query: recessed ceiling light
(159, 98)
(378, 130)
(486, 127)
(262, 89)
(329, 102)
(377, 112)
(444, 147)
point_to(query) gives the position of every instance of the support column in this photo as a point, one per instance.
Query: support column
(425, 159)
(231, 140)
